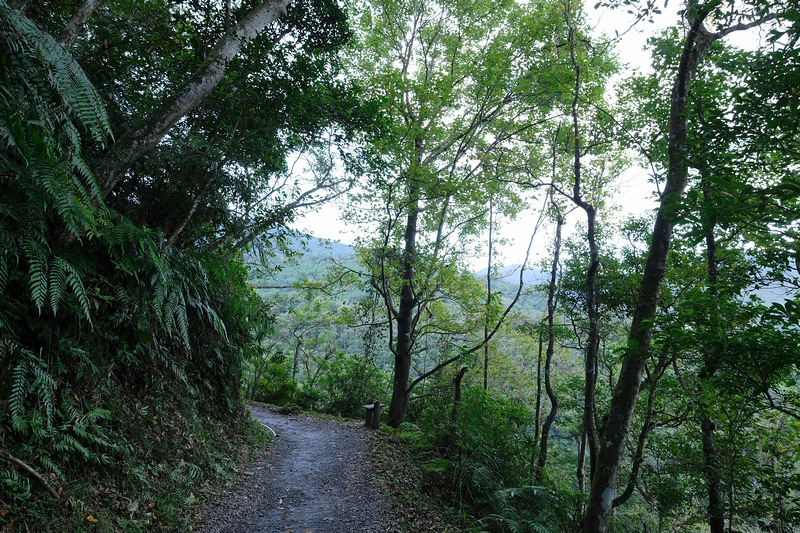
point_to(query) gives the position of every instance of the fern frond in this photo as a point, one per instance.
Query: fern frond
(13, 483)
(20, 35)
(37, 260)
(66, 443)
(183, 321)
(44, 384)
(76, 284)
(19, 382)
(4, 271)
(49, 465)
(58, 279)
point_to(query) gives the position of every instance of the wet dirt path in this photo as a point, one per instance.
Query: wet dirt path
(314, 480)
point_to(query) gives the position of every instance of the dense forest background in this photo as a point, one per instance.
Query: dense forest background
(635, 373)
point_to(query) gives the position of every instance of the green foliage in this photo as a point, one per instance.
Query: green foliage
(276, 386)
(532, 509)
(126, 321)
(347, 383)
(485, 448)
(99, 327)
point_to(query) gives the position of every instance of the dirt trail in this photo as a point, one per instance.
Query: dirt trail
(314, 480)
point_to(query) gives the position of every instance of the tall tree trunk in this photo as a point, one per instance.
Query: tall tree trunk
(623, 401)
(539, 383)
(716, 513)
(486, 324)
(405, 315)
(137, 141)
(538, 416)
(593, 340)
(551, 307)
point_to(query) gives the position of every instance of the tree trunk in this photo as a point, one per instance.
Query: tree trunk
(593, 340)
(539, 384)
(716, 516)
(580, 471)
(623, 401)
(405, 317)
(77, 21)
(137, 141)
(488, 303)
(457, 393)
(551, 307)
(647, 426)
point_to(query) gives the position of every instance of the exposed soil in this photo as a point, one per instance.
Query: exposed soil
(315, 478)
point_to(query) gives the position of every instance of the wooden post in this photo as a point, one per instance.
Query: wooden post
(369, 418)
(376, 414)
(373, 418)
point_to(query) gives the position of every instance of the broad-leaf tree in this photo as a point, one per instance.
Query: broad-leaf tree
(467, 87)
(696, 44)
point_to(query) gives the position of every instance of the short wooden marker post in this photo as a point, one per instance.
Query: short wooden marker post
(373, 418)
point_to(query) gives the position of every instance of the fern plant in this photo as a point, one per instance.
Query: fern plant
(46, 103)
(92, 311)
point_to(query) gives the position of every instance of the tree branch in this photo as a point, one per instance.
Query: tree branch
(77, 21)
(30, 471)
(137, 141)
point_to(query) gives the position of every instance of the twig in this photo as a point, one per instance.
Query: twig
(30, 471)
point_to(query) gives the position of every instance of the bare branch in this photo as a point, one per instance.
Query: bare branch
(30, 471)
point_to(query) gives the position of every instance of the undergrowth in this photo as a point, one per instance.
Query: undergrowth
(472, 462)
(167, 458)
(414, 506)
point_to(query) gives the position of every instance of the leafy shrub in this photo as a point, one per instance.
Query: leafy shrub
(347, 382)
(309, 398)
(277, 386)
(485, 448)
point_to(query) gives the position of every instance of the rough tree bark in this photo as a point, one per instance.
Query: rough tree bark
(405, 316)
(134, 143)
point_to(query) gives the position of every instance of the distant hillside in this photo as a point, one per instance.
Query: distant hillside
(314, 256)
(510, 273)
(308, 244)
(309, 259)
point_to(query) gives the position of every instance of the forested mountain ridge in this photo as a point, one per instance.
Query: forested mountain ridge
(154, 155)
(309, 258)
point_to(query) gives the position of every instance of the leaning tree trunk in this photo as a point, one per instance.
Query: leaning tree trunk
(623, 401)
(76, 22)
(134, 143)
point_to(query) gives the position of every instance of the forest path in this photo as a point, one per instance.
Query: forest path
(314, 479)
